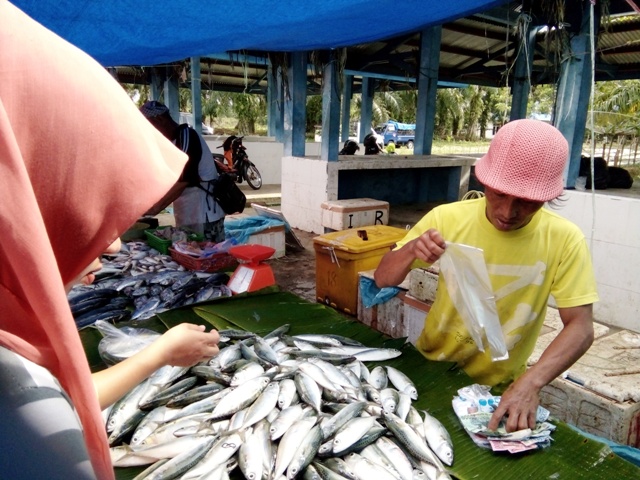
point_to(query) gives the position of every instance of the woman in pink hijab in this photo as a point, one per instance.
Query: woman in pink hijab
(78, 165)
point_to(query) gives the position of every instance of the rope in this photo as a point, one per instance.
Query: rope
(471, 194)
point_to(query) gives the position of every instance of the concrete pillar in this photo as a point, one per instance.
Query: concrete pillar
(346, 108)
(430, 39)
(366, 108)
(572, 102)
(196, 94)
(330, 110)
(295, 105)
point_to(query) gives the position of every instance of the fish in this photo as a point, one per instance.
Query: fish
(402, 382)
(438, 438)
(302, 417)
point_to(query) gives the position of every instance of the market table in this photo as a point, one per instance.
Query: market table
(571, 455)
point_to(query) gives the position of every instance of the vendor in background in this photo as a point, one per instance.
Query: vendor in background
(530, 252)
(61, 212)
(193, 205)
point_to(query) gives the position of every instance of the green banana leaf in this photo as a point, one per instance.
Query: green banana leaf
(571, 455)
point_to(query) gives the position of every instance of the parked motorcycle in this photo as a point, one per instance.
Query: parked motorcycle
(241, 166)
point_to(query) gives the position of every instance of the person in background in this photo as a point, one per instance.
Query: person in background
(371, 146)
(61, 211)
(349, 148)
(193, 204)
(530, 253)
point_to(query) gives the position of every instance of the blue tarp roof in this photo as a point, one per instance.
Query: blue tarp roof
(144, 32)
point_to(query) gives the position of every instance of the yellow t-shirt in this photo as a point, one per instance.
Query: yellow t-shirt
(549, 256)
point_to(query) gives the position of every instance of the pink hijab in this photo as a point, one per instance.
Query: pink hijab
(78, 165)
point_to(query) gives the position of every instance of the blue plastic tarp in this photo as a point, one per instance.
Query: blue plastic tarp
(144, 32)
(241, 228)
(372, 295)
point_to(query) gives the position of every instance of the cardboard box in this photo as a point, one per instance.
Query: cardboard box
(387, 317)
(341, 255)
(357, 212)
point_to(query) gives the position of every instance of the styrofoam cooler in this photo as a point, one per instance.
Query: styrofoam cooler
(353, 213)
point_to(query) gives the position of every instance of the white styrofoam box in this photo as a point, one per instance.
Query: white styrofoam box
(415, 313)
(352, 213)
(387, 317)
(600, 393)
(273, 237)
(423, 283)
(593, 413)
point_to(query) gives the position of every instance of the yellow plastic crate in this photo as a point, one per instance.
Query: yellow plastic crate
(341, 255)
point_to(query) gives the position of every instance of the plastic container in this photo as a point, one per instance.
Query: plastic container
(341, 255)
(214, 263)
(162, 245)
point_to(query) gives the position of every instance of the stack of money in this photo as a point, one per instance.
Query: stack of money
(474, 406)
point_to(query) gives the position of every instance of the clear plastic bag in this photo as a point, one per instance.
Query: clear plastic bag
(120, 343)
(470, 290)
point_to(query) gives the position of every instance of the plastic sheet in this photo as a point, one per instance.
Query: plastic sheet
(372, 295)
(470, 290)
(241, 228)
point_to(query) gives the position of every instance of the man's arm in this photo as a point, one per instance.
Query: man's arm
(520, 401)
(165, 201)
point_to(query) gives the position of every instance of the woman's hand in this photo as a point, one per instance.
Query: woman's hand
(183, 346)
(187, 344)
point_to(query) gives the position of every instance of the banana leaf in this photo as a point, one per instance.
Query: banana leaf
(571, 455)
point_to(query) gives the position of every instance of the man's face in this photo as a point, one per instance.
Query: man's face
(506, 212)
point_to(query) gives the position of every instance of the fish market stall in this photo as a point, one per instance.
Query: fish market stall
(270, 315)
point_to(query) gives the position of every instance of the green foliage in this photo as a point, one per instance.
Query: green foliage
(314, 112)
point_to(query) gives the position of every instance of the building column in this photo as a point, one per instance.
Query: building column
(171, 95)
(330, 110)
(295, 105)
(572, 101)
(366, 108)
(522, 74)
(346, 108)
(196, 94)
(430, 39)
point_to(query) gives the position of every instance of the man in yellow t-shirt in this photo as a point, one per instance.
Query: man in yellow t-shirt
(530, 253)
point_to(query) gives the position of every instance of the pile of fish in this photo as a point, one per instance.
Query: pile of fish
(280, 406)
(140, 282)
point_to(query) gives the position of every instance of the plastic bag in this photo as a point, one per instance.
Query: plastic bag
(372, 295)
(470, 290)
(120, 343)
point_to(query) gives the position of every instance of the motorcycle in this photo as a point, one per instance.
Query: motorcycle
(236, 162)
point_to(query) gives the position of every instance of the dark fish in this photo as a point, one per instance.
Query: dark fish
(113, 316)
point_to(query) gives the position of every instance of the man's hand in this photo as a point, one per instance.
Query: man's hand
(429, 246)
(520, 403)
(395, 265)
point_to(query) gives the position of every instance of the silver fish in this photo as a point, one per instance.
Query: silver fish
(402, 382)
(183, 461)
(438, 438)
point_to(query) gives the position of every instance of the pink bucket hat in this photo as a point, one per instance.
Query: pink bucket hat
(526, 159)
